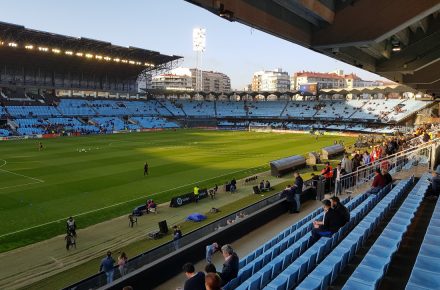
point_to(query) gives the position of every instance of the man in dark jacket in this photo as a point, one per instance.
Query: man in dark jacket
(328, 225)
(230, 266)
(297, 189)
(195, 281)
(341, 210)
(290, 198)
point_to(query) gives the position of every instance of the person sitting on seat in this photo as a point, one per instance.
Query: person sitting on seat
(262, 185)
(152, 207)
(339, 208)
(378, 182)
(330, 223)
(387, 176)
(433, 191)
(267, 185)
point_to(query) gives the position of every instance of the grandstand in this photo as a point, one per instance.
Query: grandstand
(352, 115)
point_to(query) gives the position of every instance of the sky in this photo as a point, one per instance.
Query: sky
(166, 26)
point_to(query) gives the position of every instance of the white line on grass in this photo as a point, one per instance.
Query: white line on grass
(18, 174)
(19, 185)
(4, 162)
(120, 203)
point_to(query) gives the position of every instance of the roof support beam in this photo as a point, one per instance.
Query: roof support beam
(370, 21)
(427, 75)
(415, 56)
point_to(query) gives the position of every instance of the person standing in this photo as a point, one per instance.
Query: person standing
(327, 172)
(71, 226)
(211, 250)
(195, 281)
(107, 266)
(230, 266)
(146, 168)
(297, 188)
(122, 264)
(290, 198)
(347, 164)
(213, 281)
(196, 194)
(177, 235)
(338, 173)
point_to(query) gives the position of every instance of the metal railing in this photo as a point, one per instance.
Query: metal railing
(419, 154)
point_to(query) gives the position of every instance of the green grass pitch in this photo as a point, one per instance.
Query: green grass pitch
(103, 175)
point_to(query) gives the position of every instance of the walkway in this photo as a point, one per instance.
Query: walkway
(35, 262)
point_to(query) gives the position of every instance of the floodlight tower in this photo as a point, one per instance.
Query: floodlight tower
(199, 45)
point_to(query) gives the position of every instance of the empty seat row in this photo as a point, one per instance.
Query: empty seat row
(328, 270)
(426, 271)
(299, 269)
(374, 266)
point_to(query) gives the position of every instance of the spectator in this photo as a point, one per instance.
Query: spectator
(289, 193)
(366, 158)
(378, 182)
(107, 266)
(122, 264)
(210, 268)
(356, 162)
(338, 172)
(340, 209)
(327, 172)
(330, 223)
(347, 164)
(387, 176)
(230, 266)
(195, 281)
(297, 189)
(434, 188)
(211, 250)
(177, 235)
(213, 282)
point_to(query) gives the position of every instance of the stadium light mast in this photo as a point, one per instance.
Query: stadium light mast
(199, 46)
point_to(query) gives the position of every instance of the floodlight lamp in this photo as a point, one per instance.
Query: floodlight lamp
(56, 50)
(116, 60)
(138, 63)
(88, 55)
(124, 61)
(12, 44)
(29, 46)
(98, 56)
(131, 62)
(107, 58)
(69, 52)
(41, 48)
(80, 54)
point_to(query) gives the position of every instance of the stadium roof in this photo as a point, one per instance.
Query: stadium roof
(397, 39)
(25, 40)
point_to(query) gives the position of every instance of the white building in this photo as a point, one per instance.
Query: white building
(212, 81)
(271, 81)
(331, 80)
(178, 79)
(184, 79)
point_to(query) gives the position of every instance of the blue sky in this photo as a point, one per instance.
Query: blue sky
(166, 26)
